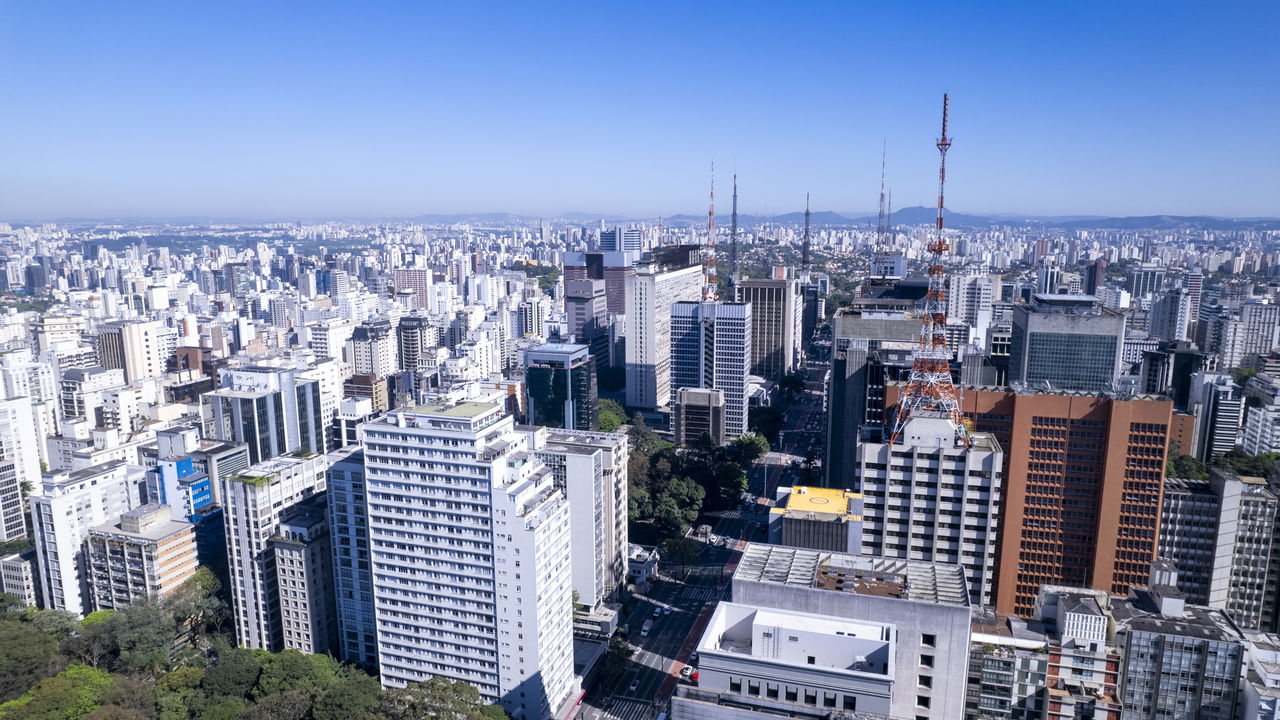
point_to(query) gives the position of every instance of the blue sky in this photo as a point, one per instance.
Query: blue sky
(382, 108)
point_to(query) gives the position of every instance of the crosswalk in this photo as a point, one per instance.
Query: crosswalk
(702, 593)
(624, 709)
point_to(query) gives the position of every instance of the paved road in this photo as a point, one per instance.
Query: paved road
(654, 668)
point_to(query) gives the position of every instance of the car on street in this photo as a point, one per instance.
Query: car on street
(666, 610)
(687, 671)
(635, 685)
(657, 611)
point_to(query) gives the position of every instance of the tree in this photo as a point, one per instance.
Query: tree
(225, 710)
(26, 656)
(58, 624)
(1242, 463)
(291, 705)
(72, 694)
(234, 675)
(115, 712)
(639, 504)
(682, 550)
(611, 416)
(731, 482)
(678, 505)
(292, 670)
(434, 699)
(355, 696)
(1186, 466)
(749, 448)
(131, 695)
(792, 385)
(145, 633)
(766, 420)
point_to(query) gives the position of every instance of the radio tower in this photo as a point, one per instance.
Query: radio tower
(930, 390)
(733, 235)
(878, 260)
(804, 249)
(710, 293)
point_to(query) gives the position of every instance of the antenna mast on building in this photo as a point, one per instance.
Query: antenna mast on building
(878, 260)
(804, 249)
(930, 389)
(733, 235)
(710, 292)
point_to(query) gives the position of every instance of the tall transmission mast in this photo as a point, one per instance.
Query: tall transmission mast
(930, 391)
(878, 260)
(733, 235)
(804, 249)
(710, 292)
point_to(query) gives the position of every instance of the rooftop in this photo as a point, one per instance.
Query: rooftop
(466, 410)
(801, 639)
(918, 581)
(827, 501)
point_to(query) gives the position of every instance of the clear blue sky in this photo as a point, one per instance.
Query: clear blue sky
(302, 109)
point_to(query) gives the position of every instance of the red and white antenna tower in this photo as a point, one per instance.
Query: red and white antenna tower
(930, 389)
(711, 290)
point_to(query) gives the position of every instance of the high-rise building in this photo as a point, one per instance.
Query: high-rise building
(699, 412)
(1146, 279)
(416, 336)
(470, 557)
(303, 559)
(1219, 405)
(1170, 317)
(817, 519)
(659, 282)
(872, 348)
(373, 349)
(777, 315)
(612, 267)
(64, 508)
(145, 553)
(1081, 501)
(560, 384)
(932, 497)
(258, 501)
(19, 463)
(352, 573)
(586, 310)
(711, 348)
(1095, 276)
(418, 280)
(1218, 533)
(134, 347)
(1066, 342)
(272, 410)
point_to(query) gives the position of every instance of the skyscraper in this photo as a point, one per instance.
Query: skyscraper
(660, 281)
(711, 346)
(271, 409)
(470, 557)
(560, 384)
(19, 463)
(1066, 342)
(777, 308)
(352, 573)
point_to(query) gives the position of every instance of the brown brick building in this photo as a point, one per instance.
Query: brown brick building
(1083, 482)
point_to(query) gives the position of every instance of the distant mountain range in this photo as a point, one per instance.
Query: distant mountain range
(904, 217)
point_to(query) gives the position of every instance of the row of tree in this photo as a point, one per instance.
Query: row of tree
(168, 660)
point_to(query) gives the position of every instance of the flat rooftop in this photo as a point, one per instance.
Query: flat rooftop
(466, 410)
(919, 581)
(804, 500)
(800, 639)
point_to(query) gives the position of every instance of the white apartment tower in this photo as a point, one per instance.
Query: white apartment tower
(19, 463)
(63, 511)
(650, 293)
(930, 498)
(711, 349)
(469, 544)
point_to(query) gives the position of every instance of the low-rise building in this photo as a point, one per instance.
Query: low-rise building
(817, 518)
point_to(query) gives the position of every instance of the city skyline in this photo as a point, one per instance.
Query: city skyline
(397, 110)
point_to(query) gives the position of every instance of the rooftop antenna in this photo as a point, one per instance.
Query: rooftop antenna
(733, 235)
(710, 292)
(930, 390)
(804, 249)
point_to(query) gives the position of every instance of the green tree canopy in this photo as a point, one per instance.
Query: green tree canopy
(26, 656)
(72, 694)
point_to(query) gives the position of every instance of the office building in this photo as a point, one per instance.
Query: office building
(1170, 317)
(1168, 370)
(612, 267)
(699, 413)
(1219, 405)
(560, 386)
(925, 605)
(257, 501)
(586, 308)
(1084, 461)
(20, 441)
(659, 282)
(935, 496)
(1218, 533)
(817, 519)
(873, 343)
(357, 639)
(304, 569)
(1066, 342)
(64, 508)
(134, 347)
(711, 349)
(1095, 276)
(272, 410)
(144, 554)
(470, 557)
(777, 316)
(416, 335)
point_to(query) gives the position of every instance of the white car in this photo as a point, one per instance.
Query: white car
(686, 671)
(666, 610)
(712, 539)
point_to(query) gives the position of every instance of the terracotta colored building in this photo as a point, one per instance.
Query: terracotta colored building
(1084, 476)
